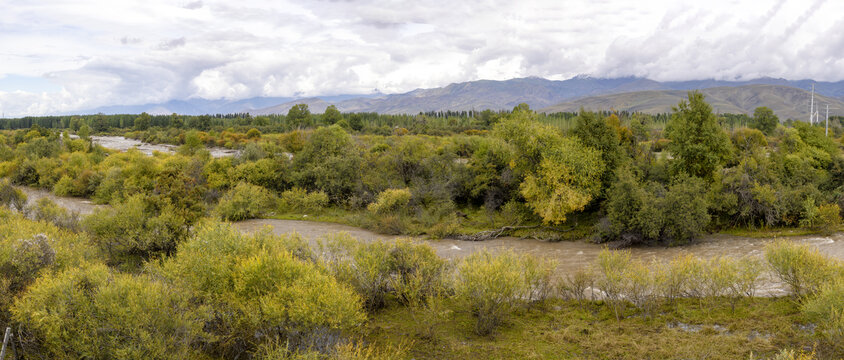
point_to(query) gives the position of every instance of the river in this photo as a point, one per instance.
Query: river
(571, 256)
(122, 144)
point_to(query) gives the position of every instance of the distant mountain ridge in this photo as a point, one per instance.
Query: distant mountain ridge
(473, 95)
(786, 101)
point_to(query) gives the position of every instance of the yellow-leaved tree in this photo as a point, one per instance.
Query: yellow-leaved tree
(560, 174)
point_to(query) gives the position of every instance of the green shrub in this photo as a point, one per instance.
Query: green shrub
(803, 268)
(745, 139)
(91, 312)
(389, 224)
(299, 200)
(613, 266)
(574, 286)
(411, 272)
(444, 229)
(245, 201)
(136, 229)
(29, 249)
(827, 310)
(685, 208)
(391, 201)
(11, 197)
(47, 210)
(639, 213)
(267, 173)
(678, 277)
(253, 133)
(417, 272)
(260, 292)
(364, 266)
(825, 218)
(491, 286)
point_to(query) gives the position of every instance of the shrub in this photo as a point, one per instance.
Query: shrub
(640, 286)
(253, 133)
(672, 279)
(299, 200)
(245, 201)
(676, 215)
(410, 271)
(825, 218)
(136, 229)
(827, 310)
(745, 139)
(29, 249)
(260, 292)
(24, 261)
(444, 229)
(573, 286)
(417, 271)
(267, 173)
(539, 278)
(391, 201)
(801, 267)
(121, 316)
(47, 210)
(613, 265)
(685, 208)
(389, 224)
(749, 271)
(365, 267)
(11, 197)
(491, 286)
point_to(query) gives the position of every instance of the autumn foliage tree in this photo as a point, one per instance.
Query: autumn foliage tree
(560, 174)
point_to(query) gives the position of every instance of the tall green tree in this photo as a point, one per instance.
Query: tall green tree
(595, 132)
(329, 162)
(142, 121)
(331, 115)
(99, 123)
(765, 120)
(698, 144)
(299, 115)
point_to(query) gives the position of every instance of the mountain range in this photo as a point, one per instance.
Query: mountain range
(786, 97)
(786, 101)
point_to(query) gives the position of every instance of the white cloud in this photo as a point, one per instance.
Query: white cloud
(131, 52)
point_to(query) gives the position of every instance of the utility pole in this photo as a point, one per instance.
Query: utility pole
(812, 106)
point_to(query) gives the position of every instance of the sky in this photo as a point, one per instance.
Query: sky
(61, 55)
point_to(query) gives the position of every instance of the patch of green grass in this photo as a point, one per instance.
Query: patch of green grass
(580, 226)
(687, 329)
(768, 232)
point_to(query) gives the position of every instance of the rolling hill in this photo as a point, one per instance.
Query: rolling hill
(472, 95)
(786, 101)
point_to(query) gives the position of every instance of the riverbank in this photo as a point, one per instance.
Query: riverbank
(714, 328)
(571, 255)
(687, 329)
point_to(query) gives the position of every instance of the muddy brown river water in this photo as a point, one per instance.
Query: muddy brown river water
(570, 255)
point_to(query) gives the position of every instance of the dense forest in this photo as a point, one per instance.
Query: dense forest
(160, 273)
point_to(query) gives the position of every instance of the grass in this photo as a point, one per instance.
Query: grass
(568, 330)
(770, 232)
(579, 227)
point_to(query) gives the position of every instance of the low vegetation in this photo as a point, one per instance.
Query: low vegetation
(159, 273)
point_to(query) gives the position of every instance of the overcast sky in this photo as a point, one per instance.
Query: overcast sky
(60, 55)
